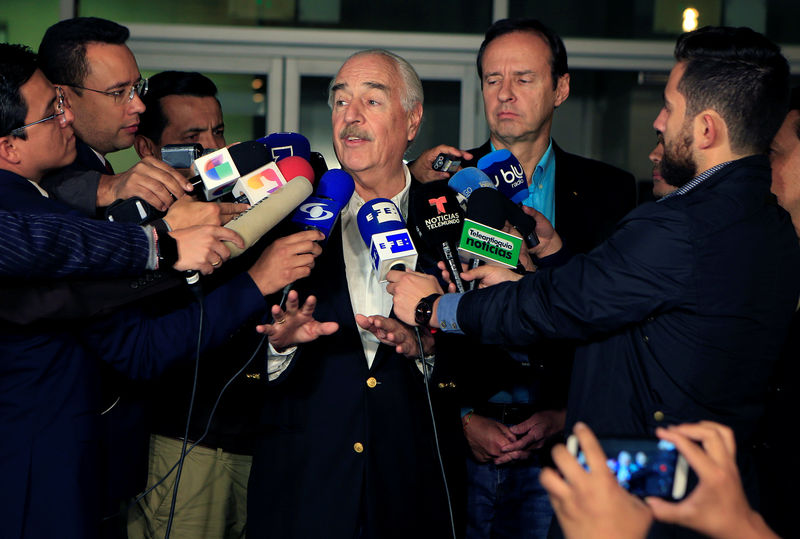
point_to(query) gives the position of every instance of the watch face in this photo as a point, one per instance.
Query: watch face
(422, 314)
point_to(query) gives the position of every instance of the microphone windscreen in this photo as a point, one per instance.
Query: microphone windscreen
(439, 215)
(292, 167)
(506, 172)
(377, 216)
(283, 145)
(336, 184)
(263, 216)
(318, 164)
(248, 156)
(467, 180)
(488, 207)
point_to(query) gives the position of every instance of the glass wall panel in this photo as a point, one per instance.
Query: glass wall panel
(23, 21)
(444, 16)
(660, 19)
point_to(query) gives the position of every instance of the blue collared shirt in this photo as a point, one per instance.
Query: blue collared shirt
(542, 189)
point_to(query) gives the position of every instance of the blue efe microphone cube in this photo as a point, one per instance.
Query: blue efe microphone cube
(383, 230)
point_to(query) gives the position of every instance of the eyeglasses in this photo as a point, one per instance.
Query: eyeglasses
(60, 108)
(121, 96)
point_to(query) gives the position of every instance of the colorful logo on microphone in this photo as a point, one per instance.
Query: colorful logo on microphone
(384, 212)
(218, 168)
(267, 179)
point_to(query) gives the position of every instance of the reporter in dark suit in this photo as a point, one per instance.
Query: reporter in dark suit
(49, 376)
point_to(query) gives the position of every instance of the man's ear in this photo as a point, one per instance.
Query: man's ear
(709, 130)
(8, 150)
(414, 121)
(146, 147)
(562, 89)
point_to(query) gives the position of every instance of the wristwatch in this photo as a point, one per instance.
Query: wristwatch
(424, 310)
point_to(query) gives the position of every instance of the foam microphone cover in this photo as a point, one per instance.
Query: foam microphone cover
(506, 172)
(248, 156)
(377, 216)
(336, 184)
(283, 145)
(524, 223)
(439, 223)
(469, 179)
(488, 207)
(292, 167)
(263, 216)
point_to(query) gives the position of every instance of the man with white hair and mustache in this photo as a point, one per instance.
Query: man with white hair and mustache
(348, 445)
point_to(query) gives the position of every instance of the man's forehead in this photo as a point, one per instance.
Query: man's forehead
(366, 72)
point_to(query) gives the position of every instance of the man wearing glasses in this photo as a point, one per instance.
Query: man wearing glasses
(98, 72)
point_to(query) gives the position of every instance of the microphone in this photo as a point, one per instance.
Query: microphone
(473, 179)
(260, 183)
(506, 172)
(282, 145)
(265, 214)
(439, 226)
(320, 211)
(467, 180)
(384, 231)
(218, 171)
(318, 164)
(481, 238)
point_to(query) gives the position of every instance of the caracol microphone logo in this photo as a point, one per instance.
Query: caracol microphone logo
(315, 211)
(218, 168)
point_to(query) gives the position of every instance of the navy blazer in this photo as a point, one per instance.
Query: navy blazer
(590, 199)
(340, 440)
(682, 311)
(50, 388)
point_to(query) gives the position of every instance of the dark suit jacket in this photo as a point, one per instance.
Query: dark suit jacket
(50, 388)
(590, 198)
(76, 184)
(309, 478)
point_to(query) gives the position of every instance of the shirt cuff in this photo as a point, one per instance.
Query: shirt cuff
(446, 313)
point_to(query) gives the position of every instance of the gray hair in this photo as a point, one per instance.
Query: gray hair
(412, 94)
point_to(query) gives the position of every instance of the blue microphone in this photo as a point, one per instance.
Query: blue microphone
(282, 145)
(320, 211)
(506, 172)
(470, 179)
(384, 231)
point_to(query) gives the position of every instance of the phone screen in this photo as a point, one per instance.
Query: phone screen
(644, 467)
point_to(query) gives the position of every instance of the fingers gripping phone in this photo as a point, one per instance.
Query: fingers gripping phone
(642, 466)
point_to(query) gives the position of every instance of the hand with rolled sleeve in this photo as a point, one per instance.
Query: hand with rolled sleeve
(150, 179)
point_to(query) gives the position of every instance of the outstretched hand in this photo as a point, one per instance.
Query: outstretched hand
(295, 325)
(395, 333)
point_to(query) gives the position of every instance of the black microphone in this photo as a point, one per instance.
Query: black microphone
(439, 226)
(217, 172)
